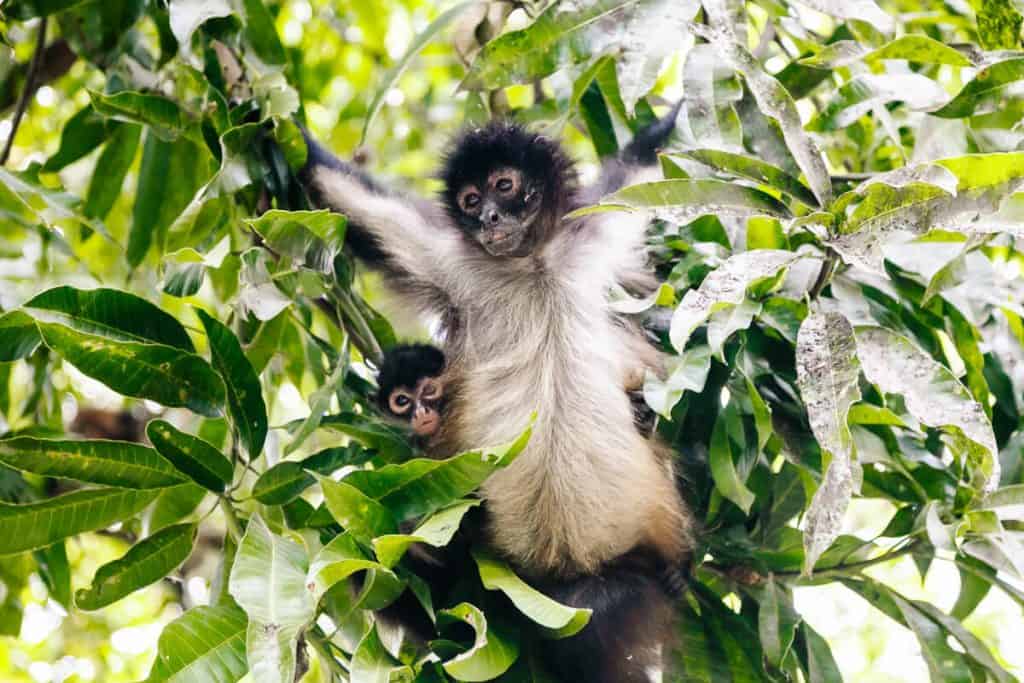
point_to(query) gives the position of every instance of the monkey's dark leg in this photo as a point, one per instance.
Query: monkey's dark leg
(630, 630)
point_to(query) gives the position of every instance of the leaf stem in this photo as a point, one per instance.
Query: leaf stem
(318, 640)
(854, 567)
(824, 275)
(231, 518)
(26, 91)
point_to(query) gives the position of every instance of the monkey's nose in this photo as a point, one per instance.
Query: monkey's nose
(493, 217)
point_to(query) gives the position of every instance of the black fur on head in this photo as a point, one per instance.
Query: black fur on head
(404, 366)
(530, 212)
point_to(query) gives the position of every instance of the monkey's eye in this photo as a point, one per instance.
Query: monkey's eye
(504, 185)
(430, 390)
(400, 402)
(470, 201)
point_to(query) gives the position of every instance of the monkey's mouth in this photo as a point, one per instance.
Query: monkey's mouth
(510, 241)
(426, 424)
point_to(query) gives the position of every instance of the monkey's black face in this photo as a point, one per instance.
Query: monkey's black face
(507, 188)
(411, 390)
(420, 406)
(499, 211)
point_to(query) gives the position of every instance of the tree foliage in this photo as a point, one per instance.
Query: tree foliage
(838, 234)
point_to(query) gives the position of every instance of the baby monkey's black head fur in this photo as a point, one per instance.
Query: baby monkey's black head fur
(507, 188)
(410, 388)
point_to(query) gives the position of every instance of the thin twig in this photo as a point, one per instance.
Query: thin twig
(234, 526)
(26, 92)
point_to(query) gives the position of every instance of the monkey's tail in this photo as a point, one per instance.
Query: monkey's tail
(643, 148)
(630, 631)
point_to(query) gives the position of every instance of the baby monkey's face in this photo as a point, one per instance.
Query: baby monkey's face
(420, 405)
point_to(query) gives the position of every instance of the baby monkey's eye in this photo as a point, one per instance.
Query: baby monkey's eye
(399, 403)
(504, 185)
(470, 201)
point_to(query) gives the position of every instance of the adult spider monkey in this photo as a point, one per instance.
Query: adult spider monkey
(589, 510)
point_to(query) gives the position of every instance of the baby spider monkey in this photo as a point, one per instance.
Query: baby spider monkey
(412, 392)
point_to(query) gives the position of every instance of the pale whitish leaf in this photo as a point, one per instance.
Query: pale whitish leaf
(274, 95)
(827, 373)
(257, 294)
(934, 396)
(722, 324)
(203, 644)
(862, 94)
(682, 200)
(880, 212)
(710, 88)
(974, 647)
(620, 300)
(726, 286)
(319, 403)
(268, 580)
(861, 10)
(939, 534)
(560, 620)
(687, 372)
(653, 32)
(187, 15)
(772, 98)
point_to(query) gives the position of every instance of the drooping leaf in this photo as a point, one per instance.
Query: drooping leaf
(114, 463)
(188, 15)
(688, 372)
(777, 621)
(268, 581)
(934, 396)
(728, 480)
(437, 530)
(862, 10)
(111, 168)
(111, 313)
(244, 393)
(988, 82)
(310, 237)
(18, 336)
(914, 48)
(340, 559)
(36, 525)
(161, 115)
(147, 561)
(560, 621)
(827, 374)
(391, 445)
(372, 663)
(492, 652)
(357, 513)
(203, 644)
(192, 456)
(756, 170)
(160, 373)
(681, 201)
(726, 286)
(864, 93)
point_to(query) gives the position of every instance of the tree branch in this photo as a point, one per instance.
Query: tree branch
(824, 275)
(27, 90)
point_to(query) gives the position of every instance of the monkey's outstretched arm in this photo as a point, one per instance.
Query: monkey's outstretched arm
(406, 239)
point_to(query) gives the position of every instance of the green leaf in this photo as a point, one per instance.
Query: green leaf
(114, 463)
(688, 372)
(37, 525)
(827, 374)
(372, 663)
(727, 286)
(723, 468)
(310, 237)
(821, 665)
(777, 621)
(999, 23)
(340, 559)
(392, 446)
(192, 456)
(772, 98)
(437, 530)
(268, 580)
(422, 486)
(559, 621)
(19, 336)
(28, 9)
(110, 313)
(160, 373)
(174, 504)
(357, 513)
(84, 132)
(423, 38)
(147, 561)
(683, 200)
(934, 396)
(560, 36)
(157, 202)
(245, 395)
(753, 169)
(203, 644)
(282, 483)
(493, 650)
(914, 48)
(986, 83)
(863, 94)
(110, 170)
(162, 116)
(261, 33)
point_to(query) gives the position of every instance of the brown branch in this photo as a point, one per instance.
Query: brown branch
(824, 275)
(27, 90)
